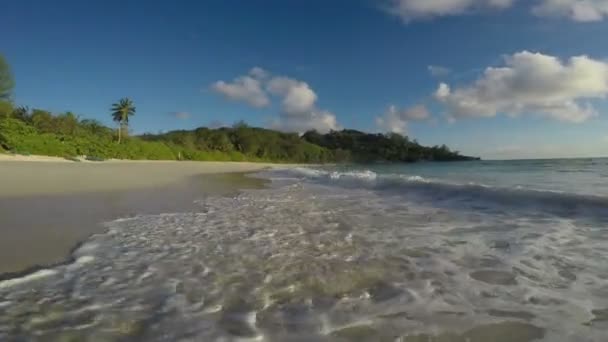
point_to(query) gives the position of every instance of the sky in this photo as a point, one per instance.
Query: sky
(500, 79)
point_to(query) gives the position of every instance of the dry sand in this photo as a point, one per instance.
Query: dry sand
(34, 175)
(47, 208)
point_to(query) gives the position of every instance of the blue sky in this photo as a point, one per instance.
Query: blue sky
(328, 64)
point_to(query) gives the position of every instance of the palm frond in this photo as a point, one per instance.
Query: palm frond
(122, 110)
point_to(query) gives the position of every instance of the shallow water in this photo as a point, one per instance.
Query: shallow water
(43, 229)
(312, 261)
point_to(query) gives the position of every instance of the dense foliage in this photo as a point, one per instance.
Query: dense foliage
(366, 147)
(40, 132)
(253, 143)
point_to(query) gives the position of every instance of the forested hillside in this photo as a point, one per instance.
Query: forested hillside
(392, 147)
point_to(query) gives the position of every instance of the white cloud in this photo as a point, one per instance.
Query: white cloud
(395, 120)
(442, 91)
(180, 115)
(391, 122)
(321, 121)
(297, 95)
(531, 83)
(409, 10)
(577, 10)
(258, 73)
(438, 71)
(246, 88)
(299, 111)
(418, 112)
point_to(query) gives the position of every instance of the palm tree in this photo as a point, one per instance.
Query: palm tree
(121, 112)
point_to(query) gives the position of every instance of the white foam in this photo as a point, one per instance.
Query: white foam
(251, 319)
(87, 248)
(85, 259)
(362, 175)
(277, 238)
(417, 179)
(303, 171)
(25, 279)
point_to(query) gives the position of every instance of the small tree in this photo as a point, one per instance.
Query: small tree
(7, 83)
(21, 113)
(120, 114)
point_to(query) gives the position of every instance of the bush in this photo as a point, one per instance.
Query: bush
(94, 158)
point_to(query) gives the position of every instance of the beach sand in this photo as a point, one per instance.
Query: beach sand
(47, 208)
(34, 175)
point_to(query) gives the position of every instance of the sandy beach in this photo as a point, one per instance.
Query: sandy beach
(39, 175)
(48, 205)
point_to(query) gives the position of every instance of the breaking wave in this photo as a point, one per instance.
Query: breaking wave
(476, 195)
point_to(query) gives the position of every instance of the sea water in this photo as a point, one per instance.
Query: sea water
(477, 251)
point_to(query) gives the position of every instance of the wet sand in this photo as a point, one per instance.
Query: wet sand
(47, 208)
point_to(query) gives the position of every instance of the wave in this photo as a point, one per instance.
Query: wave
(476, 195)
(27, 278)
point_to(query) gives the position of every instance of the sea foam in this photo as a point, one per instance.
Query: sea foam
(27, 278)
(322, 261)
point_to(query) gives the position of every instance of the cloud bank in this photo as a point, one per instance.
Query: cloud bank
(299, 110)
(576, 10)
(531, 83)
(409, 10)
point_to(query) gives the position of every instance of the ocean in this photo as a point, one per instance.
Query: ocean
(465, 251)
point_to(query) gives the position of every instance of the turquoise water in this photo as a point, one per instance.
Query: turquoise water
(511, 251)
(574, 187)
(578, 176)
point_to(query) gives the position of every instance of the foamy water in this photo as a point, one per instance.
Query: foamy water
(327, 255)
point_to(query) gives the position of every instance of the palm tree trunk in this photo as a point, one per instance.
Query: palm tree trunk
(119, 132)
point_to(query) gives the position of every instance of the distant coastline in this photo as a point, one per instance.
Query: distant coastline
(68, 136)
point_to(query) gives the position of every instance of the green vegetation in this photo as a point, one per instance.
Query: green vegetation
(37, 131)
(246, 143)
(120, 114)
(393, 147)
(6, 80)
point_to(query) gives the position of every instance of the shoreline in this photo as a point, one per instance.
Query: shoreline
(68, 259)
(41, 227)
(224, 186)
(32, 176)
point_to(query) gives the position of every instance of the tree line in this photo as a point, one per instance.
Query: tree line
(36, 131)
(39, 131)
(391, 147)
